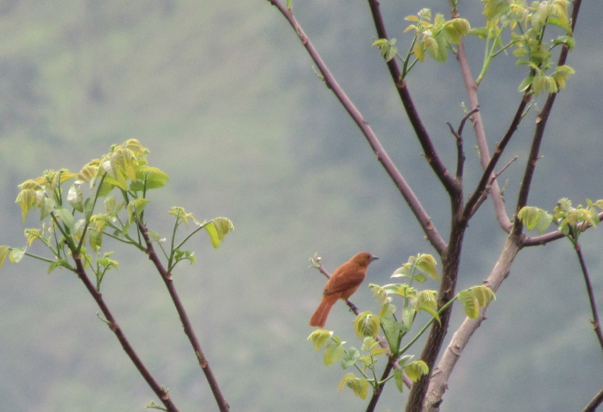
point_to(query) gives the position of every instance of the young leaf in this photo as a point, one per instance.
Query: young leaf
(75, 197)
(333, 352)
(16, 254)
(399, 379)
(217, 228)
(470, 303)
(349, 357)
(393, 330)
(416, 369)
(366, 324)
(360, 386)
(65, 216)
(426, 263)
(3, 253)
(320, 338)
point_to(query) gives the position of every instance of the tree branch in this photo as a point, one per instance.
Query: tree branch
(488, 181)
(458, 134)
(161, 393)
(594, 403)
(591, 295)
(186, 324)
(541, 122)
(440, 375)
(551, 236)
(480, 136)
(452, 186)
(411, 199)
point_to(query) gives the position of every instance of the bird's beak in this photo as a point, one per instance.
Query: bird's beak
(374, 258)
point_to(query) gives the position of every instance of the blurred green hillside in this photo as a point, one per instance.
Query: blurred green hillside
(224, 96)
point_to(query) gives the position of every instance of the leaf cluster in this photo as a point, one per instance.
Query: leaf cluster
(527, 25)
(432, 37)
(71, 229)
(570, 220)
(394, 325)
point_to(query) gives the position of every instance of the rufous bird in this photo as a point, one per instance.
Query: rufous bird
(342, 284)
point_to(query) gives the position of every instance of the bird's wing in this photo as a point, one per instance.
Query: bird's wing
(347, 276)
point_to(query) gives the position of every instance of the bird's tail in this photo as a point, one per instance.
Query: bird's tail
(322, 312)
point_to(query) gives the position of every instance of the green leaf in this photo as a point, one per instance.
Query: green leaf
(408, 317)
(393, 330)
(66, 217)
(27, 198)
(418, 50)
(3, 253)
(217, 228)
(366, 324)
(426, 263)
(527, 82)
(399, 379)
(320, 338)
(16, 254)
(333, 352)
(349, 357)
(75, 197)
(61, 263)
(533, 217)
(416, 369)
(360, 386)
(149, 177)
(387, 309)
(474, 298)
(470, 303)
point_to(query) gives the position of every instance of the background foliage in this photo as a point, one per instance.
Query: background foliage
(227, 102)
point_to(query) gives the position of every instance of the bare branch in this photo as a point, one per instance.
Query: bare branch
(460, 157)
(591, 295)
(485, 193)
(411, 199)
(488, 180)
(161, 393)
(186, 324)
(480, 135)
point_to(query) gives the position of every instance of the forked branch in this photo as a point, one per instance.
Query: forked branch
(452, 186)
(411, 199)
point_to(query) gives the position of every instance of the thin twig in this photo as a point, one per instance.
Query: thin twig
(411, 199)
(591, 295)
(186, 324)
(480, 136)
(458, 134)
(489, 187)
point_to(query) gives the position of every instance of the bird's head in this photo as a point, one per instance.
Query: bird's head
(364, 258)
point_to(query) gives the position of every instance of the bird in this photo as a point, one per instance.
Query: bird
(342, 284)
